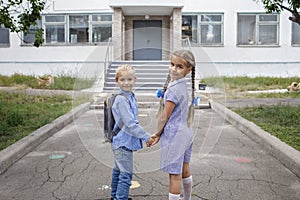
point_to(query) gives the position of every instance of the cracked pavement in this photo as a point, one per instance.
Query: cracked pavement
(75, 164)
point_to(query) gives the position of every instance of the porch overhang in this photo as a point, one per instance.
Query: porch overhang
(146, 7)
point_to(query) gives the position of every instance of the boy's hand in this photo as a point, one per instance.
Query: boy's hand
(150, 141)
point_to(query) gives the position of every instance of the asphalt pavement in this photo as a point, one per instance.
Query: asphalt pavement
(75, 163)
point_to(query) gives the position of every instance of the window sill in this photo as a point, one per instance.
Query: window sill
(260, 46)
(66, 45)
(295, 45)
(206, 45)
(4, 45)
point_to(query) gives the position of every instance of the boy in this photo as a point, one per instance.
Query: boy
(131, 135)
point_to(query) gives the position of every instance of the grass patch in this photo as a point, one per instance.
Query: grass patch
(237, 87)
(20, 114)
(280, 121)
(62, 82)
(244, 83)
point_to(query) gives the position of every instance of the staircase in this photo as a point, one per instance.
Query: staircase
(151, 75)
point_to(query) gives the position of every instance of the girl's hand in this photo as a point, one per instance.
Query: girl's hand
(156, 138)
(150, 141)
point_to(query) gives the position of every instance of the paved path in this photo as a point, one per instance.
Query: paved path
(75, 164)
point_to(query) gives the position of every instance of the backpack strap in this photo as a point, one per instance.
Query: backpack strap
(121, 125)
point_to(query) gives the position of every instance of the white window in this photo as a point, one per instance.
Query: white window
(204, 29)
(101, 28)
(55, 29)
(77, 28)
(29, 38)
(258, 29)
(189, 27)
(4, 37)
(295, 34)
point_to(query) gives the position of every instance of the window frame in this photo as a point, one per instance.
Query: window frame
(259, 23)
(32, 30)
(97, 23)
(63, 23)
(294, 32)
(4, 45)
(201, 23)
(67, 27)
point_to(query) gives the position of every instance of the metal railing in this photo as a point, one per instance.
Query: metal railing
(108, 54)
(108, 58)
(186, 44)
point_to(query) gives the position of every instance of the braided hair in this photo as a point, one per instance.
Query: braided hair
(190, 60)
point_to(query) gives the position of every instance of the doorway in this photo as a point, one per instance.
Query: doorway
(147, 40)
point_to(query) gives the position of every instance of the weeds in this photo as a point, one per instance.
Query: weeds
(20, 114)
(63, 82)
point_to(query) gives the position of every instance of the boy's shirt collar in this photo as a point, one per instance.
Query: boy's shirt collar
(128, 94)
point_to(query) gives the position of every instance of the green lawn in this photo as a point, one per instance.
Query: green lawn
(62, 82)
(20, 114)
(280, 121)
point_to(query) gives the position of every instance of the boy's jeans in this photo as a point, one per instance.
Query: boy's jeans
(122, 173)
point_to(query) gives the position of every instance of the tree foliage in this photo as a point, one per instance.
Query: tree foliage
(292, 6)
(19, 15)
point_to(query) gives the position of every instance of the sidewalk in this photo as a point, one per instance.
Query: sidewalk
(75, 164)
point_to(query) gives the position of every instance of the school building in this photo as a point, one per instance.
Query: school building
(228, 38)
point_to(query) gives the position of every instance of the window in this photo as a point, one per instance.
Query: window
(204, 29)
(4, 37)
(258, 29)
(295, 34)
(28, 38)
(189, 27)
(101, 28)
(77, 28)
(55, 29)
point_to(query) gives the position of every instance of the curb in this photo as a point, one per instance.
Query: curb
(286, 154)
(14, 152)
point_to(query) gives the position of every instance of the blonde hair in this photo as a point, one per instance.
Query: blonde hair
(124, 69)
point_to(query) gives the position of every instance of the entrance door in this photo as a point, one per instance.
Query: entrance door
(147, 40)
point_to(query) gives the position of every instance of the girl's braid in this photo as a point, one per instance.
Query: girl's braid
(193, 83)
(166, 83)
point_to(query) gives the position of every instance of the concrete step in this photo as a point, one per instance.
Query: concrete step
(151, 75)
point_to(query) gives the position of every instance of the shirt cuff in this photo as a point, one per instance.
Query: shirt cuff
(145, 139)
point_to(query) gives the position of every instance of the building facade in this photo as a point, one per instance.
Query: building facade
(228, 37)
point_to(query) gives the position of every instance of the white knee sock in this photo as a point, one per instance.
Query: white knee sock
(187, 186)
(174, 196)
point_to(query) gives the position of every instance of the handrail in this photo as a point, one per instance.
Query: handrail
(108, 54)
(108, 58)
(187, 42)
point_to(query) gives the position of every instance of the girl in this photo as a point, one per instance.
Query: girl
(172, 129)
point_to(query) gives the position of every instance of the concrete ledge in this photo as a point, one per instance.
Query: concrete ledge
(14, 152)
(287, 155)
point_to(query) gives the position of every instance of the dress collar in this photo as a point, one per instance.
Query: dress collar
(177, 81)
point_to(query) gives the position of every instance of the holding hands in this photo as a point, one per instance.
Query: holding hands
(154, 139)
